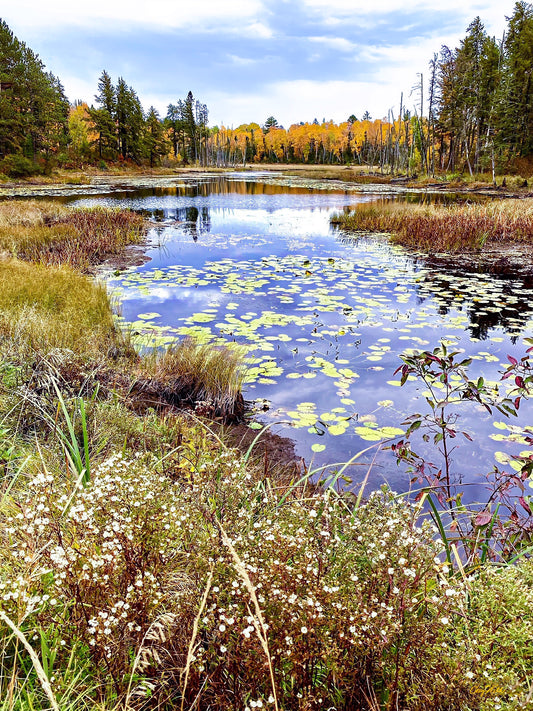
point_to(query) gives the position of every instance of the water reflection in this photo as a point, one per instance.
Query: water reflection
(323, 318)
(503, 301)
(494, 290)
(195, 221)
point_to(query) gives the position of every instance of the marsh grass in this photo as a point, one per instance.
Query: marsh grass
(54, 307)
(52, 234)
(454, 228)
(203, 376)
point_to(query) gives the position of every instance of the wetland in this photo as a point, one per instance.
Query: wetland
(322, 315)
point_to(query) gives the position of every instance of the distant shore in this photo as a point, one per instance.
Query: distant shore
(62, 181)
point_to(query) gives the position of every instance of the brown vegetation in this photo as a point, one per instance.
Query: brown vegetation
(454, 228)
(52, 234)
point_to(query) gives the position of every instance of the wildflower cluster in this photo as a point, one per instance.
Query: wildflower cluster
(254, 598)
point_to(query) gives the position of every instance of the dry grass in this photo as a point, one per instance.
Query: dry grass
(54, 307)
(453, 228)
(50, 233)
(201, 375)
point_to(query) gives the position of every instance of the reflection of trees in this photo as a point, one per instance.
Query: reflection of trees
(197, 221)
(505, 287)
(509, 286)
(220, 185)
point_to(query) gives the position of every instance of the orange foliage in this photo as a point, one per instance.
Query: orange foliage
(308, 142)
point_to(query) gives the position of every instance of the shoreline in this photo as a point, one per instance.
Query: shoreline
(93, 182)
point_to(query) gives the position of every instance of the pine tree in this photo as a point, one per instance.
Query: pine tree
(516, 107)
(155, 143)
(104, 117)
(33, 106)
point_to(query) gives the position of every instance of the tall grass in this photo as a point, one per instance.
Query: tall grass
(201, 375)
(453, 228)
(216, 591)
(52, 234)
(54, 307)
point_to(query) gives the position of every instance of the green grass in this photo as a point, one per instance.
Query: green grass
(454, 228)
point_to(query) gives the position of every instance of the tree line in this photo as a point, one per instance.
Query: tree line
(39, 129)
(471, 112)
(480, 111)
(33, 107)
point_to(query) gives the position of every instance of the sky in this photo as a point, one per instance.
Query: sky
(296, 60)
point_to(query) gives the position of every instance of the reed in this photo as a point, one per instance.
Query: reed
(53, 234)
(454, 228)
(202, 375)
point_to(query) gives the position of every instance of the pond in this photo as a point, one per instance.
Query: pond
(322, 316)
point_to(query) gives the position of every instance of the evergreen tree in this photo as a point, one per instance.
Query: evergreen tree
(155, 143)
(33, 106)
(516, 106)
(271, 122)
(173, 123)
(104, 117)
(130, 122)
(189, 128)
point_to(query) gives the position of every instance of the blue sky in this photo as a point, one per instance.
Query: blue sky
(249, 59)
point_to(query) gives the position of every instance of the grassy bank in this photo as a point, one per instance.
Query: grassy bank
(453, 228)
(179, 576)
(145, 565)
(49, 233)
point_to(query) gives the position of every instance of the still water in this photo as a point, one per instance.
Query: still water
(323, 316)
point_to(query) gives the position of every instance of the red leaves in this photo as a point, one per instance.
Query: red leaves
(483, 518)
(524, 504)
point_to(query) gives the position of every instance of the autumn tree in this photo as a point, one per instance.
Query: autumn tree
(80, 130)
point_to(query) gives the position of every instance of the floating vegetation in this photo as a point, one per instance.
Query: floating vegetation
(321, 320)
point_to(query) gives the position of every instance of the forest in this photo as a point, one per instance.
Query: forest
(471, 112)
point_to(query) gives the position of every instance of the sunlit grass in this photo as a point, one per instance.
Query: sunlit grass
(453, 228)
(54, 307)
(201, 375)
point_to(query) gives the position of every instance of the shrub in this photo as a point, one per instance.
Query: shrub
(18, 166)
(494, 637)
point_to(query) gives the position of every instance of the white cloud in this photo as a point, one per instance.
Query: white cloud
(79, 89)
(241, 61)
(491, 12)
(339, 43)
(304, 100)
(122, 14)
(257, 30)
